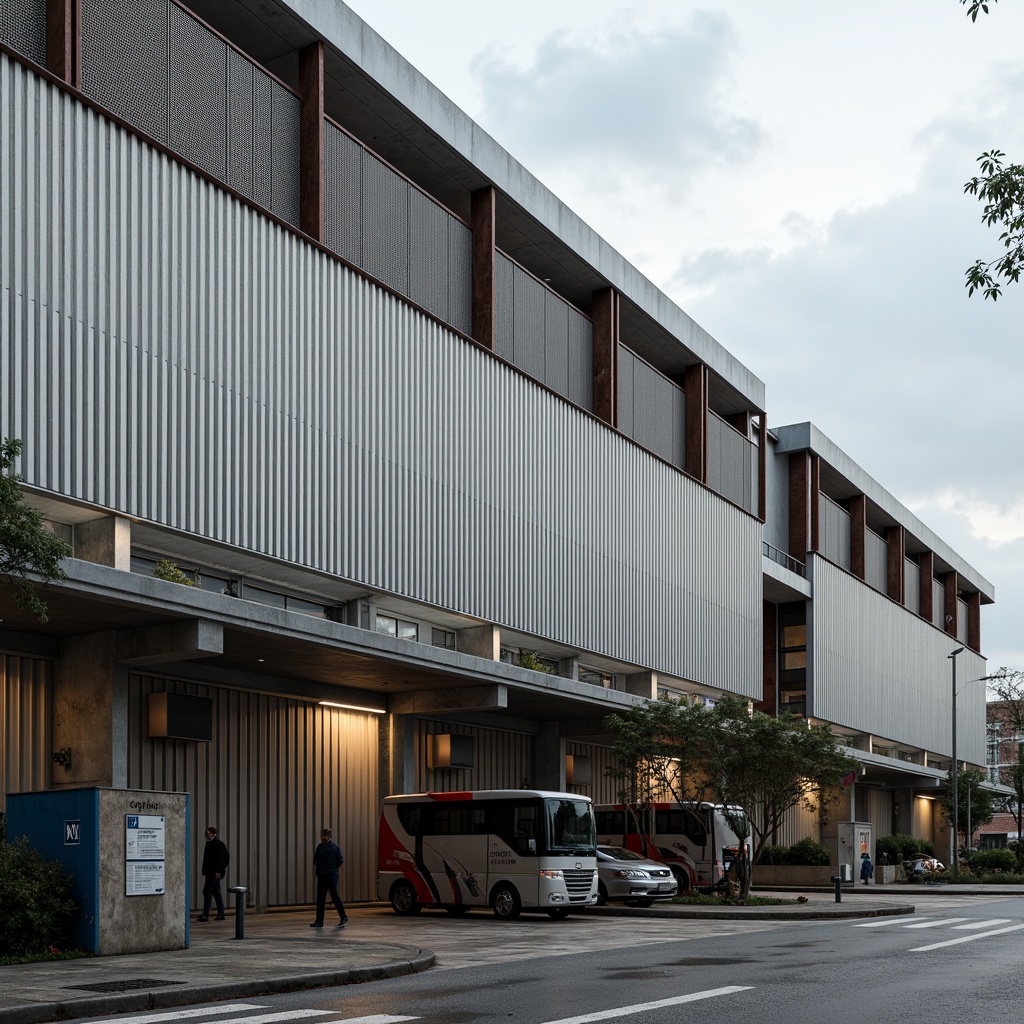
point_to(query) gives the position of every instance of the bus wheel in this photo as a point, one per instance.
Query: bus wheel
(682, 881)
(457, 909)
(403, 899)
(558, 913)
(505, 901)
(602, 894)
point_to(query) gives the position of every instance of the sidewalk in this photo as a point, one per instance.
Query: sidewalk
(281, 954)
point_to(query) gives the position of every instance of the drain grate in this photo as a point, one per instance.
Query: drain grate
(125, 985)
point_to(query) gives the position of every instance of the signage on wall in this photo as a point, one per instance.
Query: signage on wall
(144, 855)
(72, 833)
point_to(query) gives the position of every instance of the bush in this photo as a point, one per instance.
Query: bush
(808, 852)
(36, 906)
(773, 855)
(888, 850)
(987, 861)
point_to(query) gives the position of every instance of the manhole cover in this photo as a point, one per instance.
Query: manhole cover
(125, 985)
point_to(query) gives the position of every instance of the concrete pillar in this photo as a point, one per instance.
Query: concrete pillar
(106, 541)
(398, 770)
(548, 759)
(643, 684)
(569, 668)
(479, 641)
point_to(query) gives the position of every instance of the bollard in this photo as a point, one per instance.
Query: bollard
(240, 891)
(838, 879)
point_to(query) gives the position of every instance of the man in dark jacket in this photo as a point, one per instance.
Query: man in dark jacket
(215, 862)
(327, 859)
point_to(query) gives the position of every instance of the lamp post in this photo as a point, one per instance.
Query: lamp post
(954, 851)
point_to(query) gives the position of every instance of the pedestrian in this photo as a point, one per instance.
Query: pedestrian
(215, 862)
(327, 859)
(867, 869)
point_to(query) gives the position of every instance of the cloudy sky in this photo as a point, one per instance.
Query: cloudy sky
(792, 175)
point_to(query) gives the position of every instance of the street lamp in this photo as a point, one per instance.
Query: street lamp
(954, 850)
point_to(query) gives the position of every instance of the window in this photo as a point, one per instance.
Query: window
(401, 628)
(442, 638)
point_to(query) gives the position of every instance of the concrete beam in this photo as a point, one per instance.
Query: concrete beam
(465, 698)
(106, 541)
(176, 641)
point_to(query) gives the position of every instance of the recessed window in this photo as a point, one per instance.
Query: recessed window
(442, 638)
(390, 625)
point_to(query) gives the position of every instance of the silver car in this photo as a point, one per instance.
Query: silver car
(625, 875)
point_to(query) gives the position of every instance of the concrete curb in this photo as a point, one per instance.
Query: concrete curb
(155, 999)
(752, 913)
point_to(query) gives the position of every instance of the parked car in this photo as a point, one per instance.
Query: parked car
(921, 863)
(628, 876)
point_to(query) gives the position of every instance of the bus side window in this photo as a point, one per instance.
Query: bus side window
(411, 817)
(609, 822)
(524, 819)
(695, 830)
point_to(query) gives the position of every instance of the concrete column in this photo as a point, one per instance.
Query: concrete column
(569, 668)
(311, 140)
(643, 684)
(398, 775)
(484, 241)
(106, 541)
(480, 641)
(769, 703)
(604, 311)
(549, 759)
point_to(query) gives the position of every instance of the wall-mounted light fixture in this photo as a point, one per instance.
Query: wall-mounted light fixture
(63, 758)
(448, 750)
(352, 707)
(578, 770)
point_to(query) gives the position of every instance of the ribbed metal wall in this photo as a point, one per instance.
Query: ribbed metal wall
(652, 410)
(502, 759)
(542, 334)
(875, 806)
(835, 532)
(732, 462)
(876, 562)
(156, 66)
(602, 789)
(25, 724)
(912, 586)
(886, 672)
(276, 772)
(341, 429)
(799, 823)
(23, 27)
(377, 220)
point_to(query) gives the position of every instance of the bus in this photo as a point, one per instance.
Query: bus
(695, 840)
(507, 849)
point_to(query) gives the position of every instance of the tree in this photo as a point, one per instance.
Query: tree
(750, 761)
(1001, 188)
(28, 548)
(1008, 688)
(974, 804)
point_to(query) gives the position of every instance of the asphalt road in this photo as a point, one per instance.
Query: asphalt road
(956, 959)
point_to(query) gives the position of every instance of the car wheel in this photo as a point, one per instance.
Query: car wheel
(403, 899)
(457, 909)
(558, 913)
(505, 901)
(682, 881)
(602, 894)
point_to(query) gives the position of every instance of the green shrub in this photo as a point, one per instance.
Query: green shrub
(987, 861)
(170, 571)
(808, 852)
(36, 906)
(773, 855)
(926, 846)
(889, 850)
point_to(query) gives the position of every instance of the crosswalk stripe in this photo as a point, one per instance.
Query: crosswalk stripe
(623, 1011)
(881, 923)
(376, 1018)
(981, 924)
(270, 1018)
(966, 938)
(207, 1011)
(936, 924)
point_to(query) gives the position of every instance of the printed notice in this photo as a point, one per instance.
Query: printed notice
(144, 854)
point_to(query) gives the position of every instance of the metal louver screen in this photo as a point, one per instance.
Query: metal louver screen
(342, 189)
(385, 218)
(581, 361)
(460, 276)
(876, 562)
(556, 344)
(651, 408)
(528, 323)
(23, 27)
(428, 248)
(284, 167)
(912, 586)
(240, 124)
(504, 314)
(730, 456)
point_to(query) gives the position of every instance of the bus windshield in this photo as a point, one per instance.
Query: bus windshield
(569, 826)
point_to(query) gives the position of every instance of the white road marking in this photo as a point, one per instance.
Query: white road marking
(625, 1011)
(966, 938)
(270, 1018)
(376, 1018)
(938, 922)
(981, 924)
(207, 1011)
(881, 923)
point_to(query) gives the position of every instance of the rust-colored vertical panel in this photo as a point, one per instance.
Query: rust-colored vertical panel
(813, 496)
(974, 621)
(482, 219)
(896, 580)
(858, 529)
(799, 476)
(695, 384)
(63, 39)
(926, 608)
(767, 704)
(604, 313)
(311, 140)
(951, 615)
(762, 469)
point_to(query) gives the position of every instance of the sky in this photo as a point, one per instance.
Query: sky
(791, 174)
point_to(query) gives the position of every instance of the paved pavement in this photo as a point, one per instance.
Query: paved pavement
(281, 954)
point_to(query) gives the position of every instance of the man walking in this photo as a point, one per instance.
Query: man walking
(327, 859)
(215, 862)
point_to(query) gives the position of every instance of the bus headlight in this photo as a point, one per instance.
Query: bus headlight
(550, 874)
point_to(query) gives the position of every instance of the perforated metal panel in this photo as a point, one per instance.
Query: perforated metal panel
(262, 137)
(528, 320)
(556, 344)
(938, 604)
(876, 562)
(504, 309)
(124, 60)
(460, 276)
(385, 225)
(835, 532)
(284, 154)
(580, 361)
(197, 93)
(730, 457)
(912, 586)
(428, 254)
(627, 362)
(343, 231)
(23, 27)
(239, 171)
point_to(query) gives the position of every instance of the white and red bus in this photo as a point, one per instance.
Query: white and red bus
(695, 840)
(507, 849)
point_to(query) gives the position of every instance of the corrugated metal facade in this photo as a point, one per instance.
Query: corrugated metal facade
(502, 759)
(875, 806)
(885, 671)
(276, 772)
(799, 823)
(23, 27)
(343, 430)
(24, 724)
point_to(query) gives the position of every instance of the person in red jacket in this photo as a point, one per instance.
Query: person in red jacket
(215, 862)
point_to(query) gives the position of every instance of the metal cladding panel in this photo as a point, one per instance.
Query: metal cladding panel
(799, 823)
(501, 759)
(627, 364)
(343, 160)
(556, 344)
(835, 532)
(460, 276)
(275, 773)
(876, 562)
(656, 406)
(428, 255)
(912, 586)
(730, 456)
(961, 621)
(602, 789)
(938, 604)
(528, 323)
(262, 136)
(23, 27)
(504, 313)
(581, 361)
(25, 707)
(284, 154)
(240, 124)
(124, 60)
(385, 219)
(878, 668)
(221, 377)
